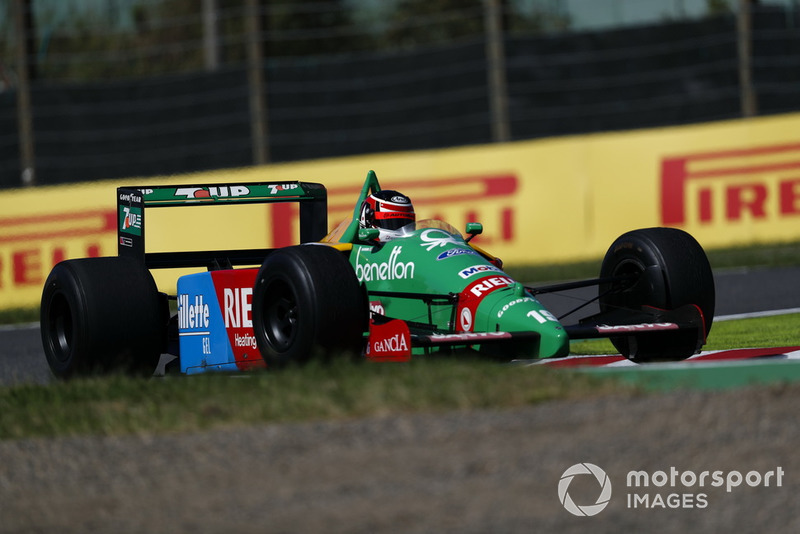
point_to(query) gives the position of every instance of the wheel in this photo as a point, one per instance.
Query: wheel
(99, 316)
(671, 270)
(307, 302)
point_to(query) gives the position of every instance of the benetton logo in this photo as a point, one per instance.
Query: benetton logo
(757, 183)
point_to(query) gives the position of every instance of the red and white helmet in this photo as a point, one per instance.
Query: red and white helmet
(388, 211)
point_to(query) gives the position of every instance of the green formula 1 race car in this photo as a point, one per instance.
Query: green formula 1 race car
(381, 285)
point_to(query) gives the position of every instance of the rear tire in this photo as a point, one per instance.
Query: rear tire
(673, 271)
(307, 302)
(101, 315)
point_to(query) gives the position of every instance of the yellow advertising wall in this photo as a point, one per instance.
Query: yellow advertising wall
(541, 201)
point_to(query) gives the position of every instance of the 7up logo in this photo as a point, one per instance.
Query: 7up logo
(130, 220)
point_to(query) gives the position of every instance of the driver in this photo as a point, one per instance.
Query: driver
(388, 211)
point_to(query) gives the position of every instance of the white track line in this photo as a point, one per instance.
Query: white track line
(753, 315)
(22, 326)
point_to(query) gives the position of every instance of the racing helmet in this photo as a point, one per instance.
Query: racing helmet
(388, 211)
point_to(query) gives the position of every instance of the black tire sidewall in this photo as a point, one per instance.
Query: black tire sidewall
(115, 317)
(63, 323)
(282, 271)
(331, 311)
(676, 269)
(675, 272)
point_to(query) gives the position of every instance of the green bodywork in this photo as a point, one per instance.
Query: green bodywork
(433, 276)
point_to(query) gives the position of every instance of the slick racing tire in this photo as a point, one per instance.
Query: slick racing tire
(671, 270)
(307, 303)
(100, 316)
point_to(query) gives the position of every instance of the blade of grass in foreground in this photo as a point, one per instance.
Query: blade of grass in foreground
(342, 390)
(119, 405)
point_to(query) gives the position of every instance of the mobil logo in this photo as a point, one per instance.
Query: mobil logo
(469, 272)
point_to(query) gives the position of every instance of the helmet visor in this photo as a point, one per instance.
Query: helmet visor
(393, 220)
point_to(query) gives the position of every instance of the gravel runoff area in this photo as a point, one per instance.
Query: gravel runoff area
(483, 471)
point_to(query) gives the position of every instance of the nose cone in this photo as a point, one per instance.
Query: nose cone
(554, 342)
(526, 314)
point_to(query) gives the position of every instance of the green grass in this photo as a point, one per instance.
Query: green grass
(342, 390)
(778, 331)
(19, 315)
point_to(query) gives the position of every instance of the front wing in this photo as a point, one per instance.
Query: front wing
(395, 339)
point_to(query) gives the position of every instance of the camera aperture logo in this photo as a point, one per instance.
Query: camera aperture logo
(589, 509)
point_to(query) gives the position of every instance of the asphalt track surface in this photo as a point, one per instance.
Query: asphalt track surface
(463, 472)
(738, 291)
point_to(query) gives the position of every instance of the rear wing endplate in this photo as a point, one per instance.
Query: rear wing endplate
(133, 201)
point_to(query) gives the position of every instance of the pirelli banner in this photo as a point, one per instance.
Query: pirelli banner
(541, 201)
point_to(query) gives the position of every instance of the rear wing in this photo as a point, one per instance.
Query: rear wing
(133, 201)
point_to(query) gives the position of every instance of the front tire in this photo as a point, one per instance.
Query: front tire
(670, 270)
(101, 315)
(307, 302)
